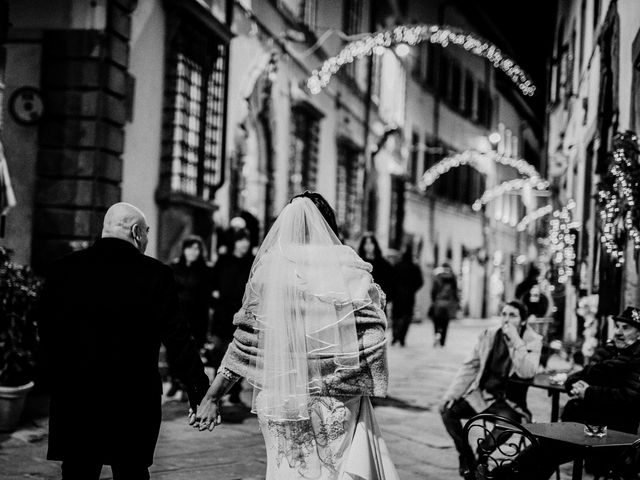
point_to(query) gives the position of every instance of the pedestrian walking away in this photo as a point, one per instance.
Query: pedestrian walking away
(444, 302)
(311, 340)
(103, 313)
(194, 284)
(407, 280)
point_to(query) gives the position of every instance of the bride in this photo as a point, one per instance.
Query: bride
(310, 339)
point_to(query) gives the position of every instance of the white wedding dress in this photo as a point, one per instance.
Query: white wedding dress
(340, 441)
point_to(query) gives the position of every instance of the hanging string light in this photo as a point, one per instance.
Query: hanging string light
(410, 36)
(475, 160)
(619, 197)
(533, 216)
(508, 186)
(562, 241)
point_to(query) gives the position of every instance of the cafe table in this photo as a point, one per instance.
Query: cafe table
(572, 433)
(543, 381)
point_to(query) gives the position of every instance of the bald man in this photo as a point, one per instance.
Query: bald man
(103, 313)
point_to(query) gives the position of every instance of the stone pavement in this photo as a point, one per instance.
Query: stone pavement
(408, 418)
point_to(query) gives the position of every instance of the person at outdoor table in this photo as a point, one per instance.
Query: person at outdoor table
(481, 384)
(607, 391)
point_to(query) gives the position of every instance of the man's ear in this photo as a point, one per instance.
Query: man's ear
(135, 231)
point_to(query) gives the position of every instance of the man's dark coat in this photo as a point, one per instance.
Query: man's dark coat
(613, 396)
(103, 313)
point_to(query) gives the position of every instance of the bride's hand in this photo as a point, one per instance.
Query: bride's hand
(208, 415)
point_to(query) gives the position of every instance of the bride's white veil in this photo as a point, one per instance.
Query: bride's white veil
(304, 313)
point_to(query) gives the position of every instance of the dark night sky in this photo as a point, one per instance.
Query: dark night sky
(528, 27)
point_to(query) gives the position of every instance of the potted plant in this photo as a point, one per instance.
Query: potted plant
(19, 289)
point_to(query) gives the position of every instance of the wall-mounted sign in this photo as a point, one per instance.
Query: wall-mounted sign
(26, 106)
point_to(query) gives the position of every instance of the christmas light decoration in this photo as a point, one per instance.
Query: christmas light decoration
(533, 216)
(476, 160)
(619, 197)
(508, 186)
(562, 241)
(443, 35)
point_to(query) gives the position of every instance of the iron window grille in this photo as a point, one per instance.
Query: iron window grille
(303, 160)
(194, 113)
(348, 196)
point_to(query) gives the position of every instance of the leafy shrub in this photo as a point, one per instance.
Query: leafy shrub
(19, 289)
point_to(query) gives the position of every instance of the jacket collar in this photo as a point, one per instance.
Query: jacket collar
(115, 245)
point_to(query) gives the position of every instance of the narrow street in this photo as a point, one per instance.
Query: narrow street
(409, 420)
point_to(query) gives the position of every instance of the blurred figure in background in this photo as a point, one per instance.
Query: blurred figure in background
(225, 237)
(528, 282)
(230, 276)
(445, 302)
(369, 251)
(407, 280)
(193, 281)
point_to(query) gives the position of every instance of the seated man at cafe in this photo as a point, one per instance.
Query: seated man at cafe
(605, 392)
(482, 382)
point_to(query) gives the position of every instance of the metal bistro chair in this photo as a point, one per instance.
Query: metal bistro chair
(627, 465)
(499, 442)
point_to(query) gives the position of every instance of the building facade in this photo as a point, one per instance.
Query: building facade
(594, 96)
(198, 111)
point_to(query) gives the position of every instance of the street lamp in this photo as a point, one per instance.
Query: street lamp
(402, 50)
(494, 138)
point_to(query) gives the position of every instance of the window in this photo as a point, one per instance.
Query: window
(413, 158)
(469, 90)
(194, 113)
(351, 24)
(303, 162)
(583, 23)
(396, 217)
(309, 13)
(347, 190)
(481, 107)
(443, 80)
(431, 65)
(392, 89)
(456, 85)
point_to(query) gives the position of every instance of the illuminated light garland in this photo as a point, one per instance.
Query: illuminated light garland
(562, 242)
(619, 198)
(533, 216)
(475, 160)
(443, 35)
(508, 186)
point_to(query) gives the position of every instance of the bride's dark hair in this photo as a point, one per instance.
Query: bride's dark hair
(323, 206)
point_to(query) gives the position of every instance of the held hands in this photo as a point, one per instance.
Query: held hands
(578, 389)
(207, 416)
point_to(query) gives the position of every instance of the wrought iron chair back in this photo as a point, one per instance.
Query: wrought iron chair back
(627, 465)
(498, 443)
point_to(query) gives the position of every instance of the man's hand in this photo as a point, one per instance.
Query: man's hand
(578, 389)
(207, 416)
(510, 332)
(446, 404)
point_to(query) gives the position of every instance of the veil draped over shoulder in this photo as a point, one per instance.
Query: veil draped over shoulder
(302, 298)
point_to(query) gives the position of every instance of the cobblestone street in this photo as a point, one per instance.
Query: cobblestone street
(409, 420)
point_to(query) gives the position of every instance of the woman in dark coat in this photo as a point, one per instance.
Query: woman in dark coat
(193, 277)
(369, 251)
(193, 281)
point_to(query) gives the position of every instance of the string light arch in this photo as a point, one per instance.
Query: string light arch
(475, 160)
(508, 186)
(438, 34)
